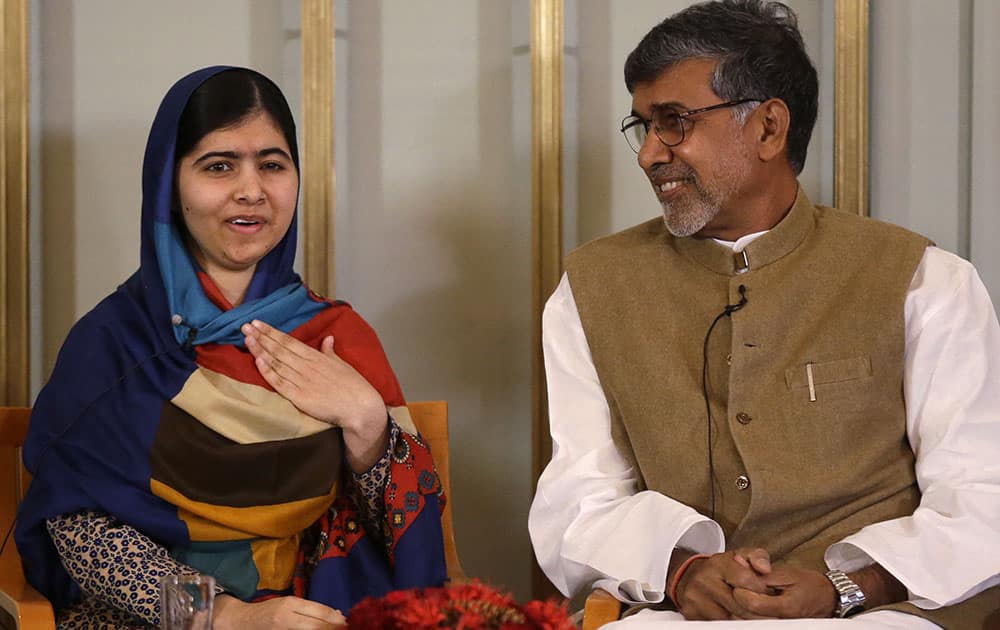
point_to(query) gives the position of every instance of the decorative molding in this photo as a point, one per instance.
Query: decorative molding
(318, 179)
(546, 190)
(850, 127)
(14, 310)
(547, 199)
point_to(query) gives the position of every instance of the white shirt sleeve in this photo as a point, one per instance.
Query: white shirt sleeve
(588, 524)
(949, 549)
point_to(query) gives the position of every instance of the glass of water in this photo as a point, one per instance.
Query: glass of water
(186, 602)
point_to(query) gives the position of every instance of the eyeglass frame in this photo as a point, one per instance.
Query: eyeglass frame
(683, 116)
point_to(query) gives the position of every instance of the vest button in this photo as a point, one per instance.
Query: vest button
(743, 418)
(742, 482)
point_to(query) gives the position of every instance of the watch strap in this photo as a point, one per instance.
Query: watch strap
(850, 598)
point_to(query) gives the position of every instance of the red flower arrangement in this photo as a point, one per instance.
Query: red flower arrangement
(471, 606)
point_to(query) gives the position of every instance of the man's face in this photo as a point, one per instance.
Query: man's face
(700, 181)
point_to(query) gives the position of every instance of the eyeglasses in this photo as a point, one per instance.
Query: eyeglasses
(668, 125)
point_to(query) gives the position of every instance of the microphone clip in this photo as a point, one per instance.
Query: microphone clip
(732, 308)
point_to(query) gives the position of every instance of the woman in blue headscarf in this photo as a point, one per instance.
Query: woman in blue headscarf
(213, 416)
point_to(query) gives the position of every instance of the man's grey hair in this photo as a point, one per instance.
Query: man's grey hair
(760, 55)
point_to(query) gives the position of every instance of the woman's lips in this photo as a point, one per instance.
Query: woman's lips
(245, 225)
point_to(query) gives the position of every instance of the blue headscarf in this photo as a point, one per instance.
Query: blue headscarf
(275, 292)
(126, 357)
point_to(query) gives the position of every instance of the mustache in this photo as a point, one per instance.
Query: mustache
(671, 171)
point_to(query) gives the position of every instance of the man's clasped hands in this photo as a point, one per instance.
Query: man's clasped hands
(744, 584)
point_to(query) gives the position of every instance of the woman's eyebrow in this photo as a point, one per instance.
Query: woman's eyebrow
(274, 151)
(234, 155)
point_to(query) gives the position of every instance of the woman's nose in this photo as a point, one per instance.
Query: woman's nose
(250, 189)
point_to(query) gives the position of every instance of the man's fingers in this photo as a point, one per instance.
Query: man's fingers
(737, 575)
(755, 558)
(760, 561)
(706, 594)
(705, 609)
(760, 606)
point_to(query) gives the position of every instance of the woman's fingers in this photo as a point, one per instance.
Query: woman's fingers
(281, 613)
(316, 381)
(284, 348)
(282, 360)
(327, 348)
(315, 615)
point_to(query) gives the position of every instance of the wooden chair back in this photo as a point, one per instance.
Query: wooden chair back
(600, 608)
(431, 420)
(21, 606)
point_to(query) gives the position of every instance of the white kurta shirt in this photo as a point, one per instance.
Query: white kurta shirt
(591, 527)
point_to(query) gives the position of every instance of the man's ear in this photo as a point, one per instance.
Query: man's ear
(771, 124)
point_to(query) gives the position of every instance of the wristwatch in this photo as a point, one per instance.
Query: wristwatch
(850, 598)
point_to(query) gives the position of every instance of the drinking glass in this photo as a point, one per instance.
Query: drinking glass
(186, 602)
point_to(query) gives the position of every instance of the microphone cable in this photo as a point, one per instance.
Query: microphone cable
(726, 312)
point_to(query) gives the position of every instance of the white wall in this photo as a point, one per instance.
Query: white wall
(433, 241)
(984, 161)
(935, 106)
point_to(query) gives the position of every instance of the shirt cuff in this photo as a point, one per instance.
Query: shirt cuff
(700, 536)
(844, 556)
(370, 484)
(631, 591)
(847, 557)
(703, 537)
(382, 461)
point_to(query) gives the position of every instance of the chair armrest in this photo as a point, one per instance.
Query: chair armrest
(600, 608)
(18, 600)
(28, 608)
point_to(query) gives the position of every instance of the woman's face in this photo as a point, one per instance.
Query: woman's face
(237, 190)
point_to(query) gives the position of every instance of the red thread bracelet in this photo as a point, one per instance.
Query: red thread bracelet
(679, 573)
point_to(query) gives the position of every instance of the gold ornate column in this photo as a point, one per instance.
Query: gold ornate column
(850, 127)
(14, 310)
(546, 190)
(318, 180)
(546, 193)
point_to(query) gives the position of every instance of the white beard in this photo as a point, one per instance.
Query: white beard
(694, 209)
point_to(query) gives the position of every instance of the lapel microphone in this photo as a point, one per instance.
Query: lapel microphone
(732, 308)
(726, 312)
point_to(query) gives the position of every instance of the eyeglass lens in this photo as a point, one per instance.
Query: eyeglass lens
(668, 126)
(636, 135)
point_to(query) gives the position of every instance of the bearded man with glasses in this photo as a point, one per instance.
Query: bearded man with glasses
(762, 408)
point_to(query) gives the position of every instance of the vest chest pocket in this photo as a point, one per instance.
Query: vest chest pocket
(810, 376)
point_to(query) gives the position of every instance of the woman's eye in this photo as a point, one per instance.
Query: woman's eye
(273, 166)
(218, 167)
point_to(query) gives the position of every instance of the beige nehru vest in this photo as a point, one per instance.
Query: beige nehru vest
(805, 382)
